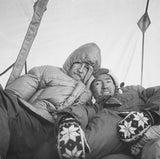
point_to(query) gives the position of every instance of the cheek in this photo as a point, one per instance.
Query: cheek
(99, 91)
(95, 90)
(113, 89)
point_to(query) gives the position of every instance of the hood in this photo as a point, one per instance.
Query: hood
(88, 53)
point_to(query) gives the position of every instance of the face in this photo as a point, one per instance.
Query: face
(103, 87)
(78, 71)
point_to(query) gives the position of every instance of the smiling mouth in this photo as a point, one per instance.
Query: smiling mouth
(106, 91)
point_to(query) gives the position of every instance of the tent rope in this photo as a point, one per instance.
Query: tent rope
(7, 69)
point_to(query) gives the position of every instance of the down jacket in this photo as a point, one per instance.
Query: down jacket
(101, 132)
(50, 88)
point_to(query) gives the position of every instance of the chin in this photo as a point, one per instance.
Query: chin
(106, 96)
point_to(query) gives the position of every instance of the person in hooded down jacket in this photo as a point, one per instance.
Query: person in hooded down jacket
(127, 122)
(27, 121)
(49, 88)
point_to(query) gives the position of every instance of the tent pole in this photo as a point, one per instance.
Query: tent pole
(142, 60)
(143, 24)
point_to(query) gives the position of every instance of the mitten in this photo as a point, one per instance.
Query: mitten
(71, 139)
(133, 126)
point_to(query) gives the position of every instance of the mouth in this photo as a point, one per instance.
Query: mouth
(106, 91)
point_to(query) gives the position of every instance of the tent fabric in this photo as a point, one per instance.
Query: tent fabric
(39, 8)
(66, 25)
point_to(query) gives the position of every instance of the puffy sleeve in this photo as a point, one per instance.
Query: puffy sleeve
(84, 97)
(152, 98)
(24, 86)
(101, 134)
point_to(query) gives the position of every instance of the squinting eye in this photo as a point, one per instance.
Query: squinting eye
(96, 84)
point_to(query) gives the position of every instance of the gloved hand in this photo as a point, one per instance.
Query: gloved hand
(152, 133)
(71, 139)
(133, 126)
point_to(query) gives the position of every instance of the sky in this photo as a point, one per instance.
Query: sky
(68, 24)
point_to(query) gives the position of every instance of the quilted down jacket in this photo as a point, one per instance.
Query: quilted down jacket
(49, 87)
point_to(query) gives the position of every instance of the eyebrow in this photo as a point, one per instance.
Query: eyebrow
(95, 81)
(108, 78)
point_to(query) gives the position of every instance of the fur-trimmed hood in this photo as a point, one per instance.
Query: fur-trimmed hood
(88, 53)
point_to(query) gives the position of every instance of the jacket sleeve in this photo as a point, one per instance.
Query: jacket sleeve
(82, 113)
(152, 99)
(37, 78)
(84, 97)
(101, 134)
(24, 86)
(151, 150)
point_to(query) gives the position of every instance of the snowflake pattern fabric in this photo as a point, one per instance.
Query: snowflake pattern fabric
(133, 126)
(70, 140)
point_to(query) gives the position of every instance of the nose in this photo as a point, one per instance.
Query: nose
(104, 85)
(81, 68)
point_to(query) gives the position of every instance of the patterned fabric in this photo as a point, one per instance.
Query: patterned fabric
(71, 140)
(133, 126)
